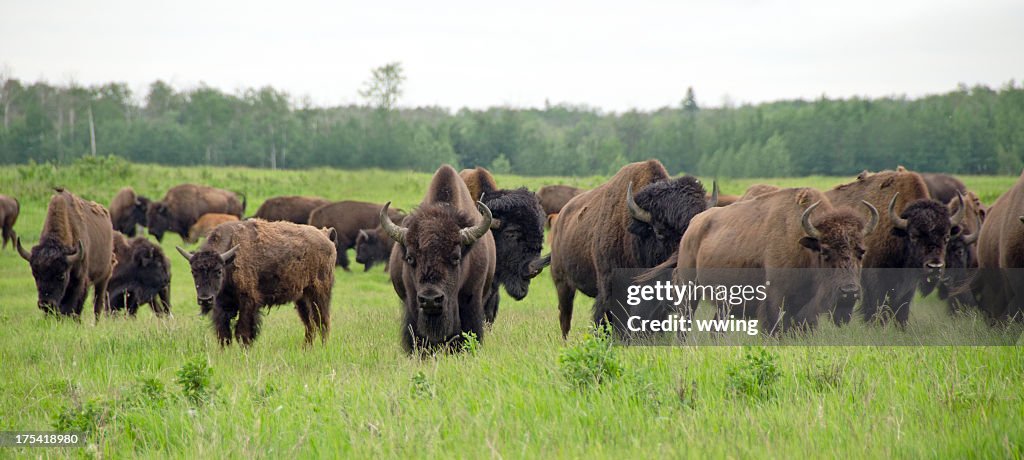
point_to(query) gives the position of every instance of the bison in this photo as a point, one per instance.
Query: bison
(74, 251)
(757, 190)
(184, 204)
(943, 187)
(294, 209)
(961, 259)
(9, 210)
(479, 180)
(347, 218)
(913, 239)
(247, 265)
(443, 265)
(142, 275)
(999, 288)
(373, 245)
(128, 210)
(206, 224)
(554, 197)
(768, 236)
(608, 228)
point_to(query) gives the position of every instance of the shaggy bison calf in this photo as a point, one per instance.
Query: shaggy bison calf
(9, 209)
(142, 275)
(244, 266)
(206, 224)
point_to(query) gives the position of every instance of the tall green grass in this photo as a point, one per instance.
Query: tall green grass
(164, 388)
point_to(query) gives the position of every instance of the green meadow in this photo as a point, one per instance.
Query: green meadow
(149, 387)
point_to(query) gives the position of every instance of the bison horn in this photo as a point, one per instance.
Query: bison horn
(635, 210)
(973, 237)
(75, 256)
(536, 265)
(713, 201)
(805, 221)
(469, 235)
(227, 256)
(21, 250)
(187, 255)
(897, 221)
(959, 216)
(396, 232)
(362, 235)
(873, 221)
(495, 224)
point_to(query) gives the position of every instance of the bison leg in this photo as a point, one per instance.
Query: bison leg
(566, 295)
(320, 313)
(162, 303)
(74, 297)
(221, 320)
(343, 258)
(471, 312)
(248, 326)
(305, 314)
(99, 298)
(491, 305)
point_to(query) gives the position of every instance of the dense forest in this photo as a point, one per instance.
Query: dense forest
(971, 130)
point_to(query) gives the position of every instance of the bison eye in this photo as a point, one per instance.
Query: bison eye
(410, 260)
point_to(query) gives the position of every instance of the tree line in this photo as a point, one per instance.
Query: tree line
(969, 130)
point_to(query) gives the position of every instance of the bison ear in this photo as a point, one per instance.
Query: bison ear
(810, 243)
(161, 208)
(332, 234)
(363, 236)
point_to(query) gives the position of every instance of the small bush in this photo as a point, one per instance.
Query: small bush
(147, 392)
(591, 361)
(687, 393)
(470, 343)
(86, 418)
(826, 376)
(756, 376)
(421, 387)
(194, 377)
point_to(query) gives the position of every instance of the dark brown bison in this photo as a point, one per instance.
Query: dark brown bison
(479, 180)
(554, 197)
(184, 204)
(142, 275)
(9, 210)
(247, 265)
(294, 209)
(128, 210)
(999, 288)
(74, 251)
(518, 230)
(911, 238)
(608, 228)
(373, 245)
(943, 187)
(443, 265)
(206, 223)
(769, 237)
(347, 218)
(961, 258)
(757, 190)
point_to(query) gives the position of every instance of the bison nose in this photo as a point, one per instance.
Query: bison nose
(205, 300)
(934, 265)
(850, 290)
(430, 302)
(44, 305)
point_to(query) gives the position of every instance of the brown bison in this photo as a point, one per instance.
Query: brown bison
(479, 180)
(294, 209)
(757, 190)
(9, 209)
(911, 237)
(75, 250)
(608, 228)
(142, 275)
(1000, 287)
(206, 223)
(767, 237)
(128, 210)
(943, 187)
(725, 200)
(443, 264)
(373, 245)
(347, 218)
(247, 265)
(961, 258)
(554, 197)
(184, 204)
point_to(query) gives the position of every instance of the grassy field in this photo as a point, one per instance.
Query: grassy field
(164, 388)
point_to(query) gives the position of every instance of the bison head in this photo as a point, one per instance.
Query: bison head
(208, 272)
(51, 264)
(660, 214)
(158, 219)
(518, 229)
(372, 246)
(925, 227)
(837, 240)
(438, 236)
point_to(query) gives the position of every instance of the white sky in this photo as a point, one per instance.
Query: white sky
(614, 55)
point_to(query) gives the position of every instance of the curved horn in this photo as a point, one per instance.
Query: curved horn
(187, 255)
(713, 201)
(396, 232)
(805, 222)
(897, 221)
(77, 255)
(469, 235)
(635, 210)
(872, 221)
(495, 224)
(230, 254)
(24, 254)
(363, 234)
(973, 237)
(538, 264)
(955, 219)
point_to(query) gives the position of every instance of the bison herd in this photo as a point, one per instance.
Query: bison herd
(450, 257)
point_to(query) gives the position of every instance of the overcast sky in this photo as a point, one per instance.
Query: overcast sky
(615, 55)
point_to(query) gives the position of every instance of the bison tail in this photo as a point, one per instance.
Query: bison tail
(658, 271)
(244, 202)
